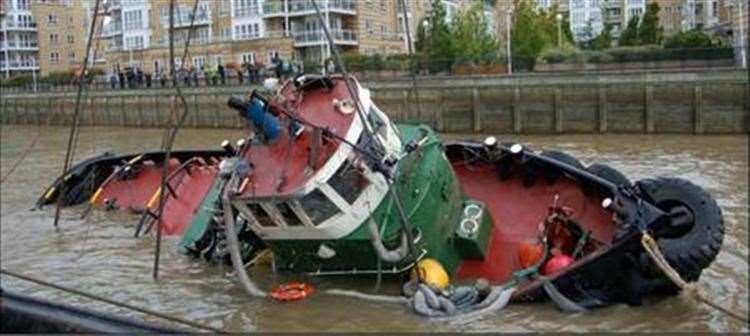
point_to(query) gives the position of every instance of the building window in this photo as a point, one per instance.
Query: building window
(271, 54)
(71, 39)
(133, 20)
(247, 31)
(52, 19)
(246, 8)
(53, 38)
(218, 59)
(368, 26)
(54, 58)
(71, 57)
(247, 58)
(134, 42)
(199, 61)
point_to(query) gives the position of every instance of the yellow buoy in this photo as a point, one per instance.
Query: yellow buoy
(430, 272)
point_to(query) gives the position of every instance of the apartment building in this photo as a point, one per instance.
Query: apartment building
(236, 31)
(19, 49)
(62, 28)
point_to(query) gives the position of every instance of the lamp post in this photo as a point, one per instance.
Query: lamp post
(743, 47)
(559, 18)
(507, 40)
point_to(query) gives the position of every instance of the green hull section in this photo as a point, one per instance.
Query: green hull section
(434, 204)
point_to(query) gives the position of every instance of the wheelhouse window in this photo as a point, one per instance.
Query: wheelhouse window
(318, 207)
(349, 182)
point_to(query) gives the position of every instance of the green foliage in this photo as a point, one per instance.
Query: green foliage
(473, 40)
(603, 40)
(530, 33)
(629, 36)
(649, 30)
(648, 53)
(439, 44)
(694, 39)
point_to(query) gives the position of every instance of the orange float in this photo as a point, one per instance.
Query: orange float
(292, 291)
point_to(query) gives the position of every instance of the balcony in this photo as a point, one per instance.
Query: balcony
(10, 25)
(247, 12)
(182, 18)
(112, 29)
(19, 45)
(317, 37)
(305, 7)
(19, 65)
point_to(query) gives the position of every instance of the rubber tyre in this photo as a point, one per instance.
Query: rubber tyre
(554, 174)
(697, 248)
(608, 173)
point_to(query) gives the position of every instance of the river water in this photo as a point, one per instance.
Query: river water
(100, 255)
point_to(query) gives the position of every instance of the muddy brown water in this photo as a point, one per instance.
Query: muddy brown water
(100, 255)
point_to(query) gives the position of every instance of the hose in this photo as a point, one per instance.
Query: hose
(234, 246)
(391, 256)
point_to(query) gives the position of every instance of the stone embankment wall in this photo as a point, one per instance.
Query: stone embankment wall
(639, 102)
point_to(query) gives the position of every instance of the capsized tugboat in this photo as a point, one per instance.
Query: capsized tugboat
(332, 186)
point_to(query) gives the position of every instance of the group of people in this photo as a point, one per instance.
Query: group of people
(250, 72)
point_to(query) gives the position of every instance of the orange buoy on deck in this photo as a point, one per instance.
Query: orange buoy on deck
(529, 253)
(292, 291)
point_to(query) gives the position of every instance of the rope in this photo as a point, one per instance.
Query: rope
(651, 246)
(112, 302)
(23, 157)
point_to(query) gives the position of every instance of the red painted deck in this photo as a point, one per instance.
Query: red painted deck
(133, 193)
(190, 190)
(517, 212)
(281, 168)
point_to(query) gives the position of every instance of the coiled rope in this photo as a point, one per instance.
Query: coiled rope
(651, 246)
(112, 302)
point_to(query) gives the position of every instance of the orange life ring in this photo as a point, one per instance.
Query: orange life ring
(292, 291)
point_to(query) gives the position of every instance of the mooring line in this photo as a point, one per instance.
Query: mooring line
(112, 302)
(652, 247)
(23, 157)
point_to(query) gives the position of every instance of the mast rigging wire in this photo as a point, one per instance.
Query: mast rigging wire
(174, 129)
(76, 113)
(410, 49)
(112, 302)
(405, 225)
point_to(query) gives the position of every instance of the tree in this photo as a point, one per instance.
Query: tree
(434, 41)
(629, 36)
(530, 33)
(604, 39)
(472, 38)
(587, 35)
(649, 30)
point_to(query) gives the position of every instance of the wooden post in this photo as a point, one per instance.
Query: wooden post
(407, 109)
(558, 110)
(122, 111)
(108, 111)
(476, 110)
(139, 107)
(3, 110)
(156, 111)
(602, 109)
(440, 111)
(195, 110)
(92, 110)
(50, 112)
(648, 108)
(39, 112)
(517, 127)
(698, 109)
(216, 110)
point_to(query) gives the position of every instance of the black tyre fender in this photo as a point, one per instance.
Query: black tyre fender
(694, 247)
(608, 173)
(554, 174)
